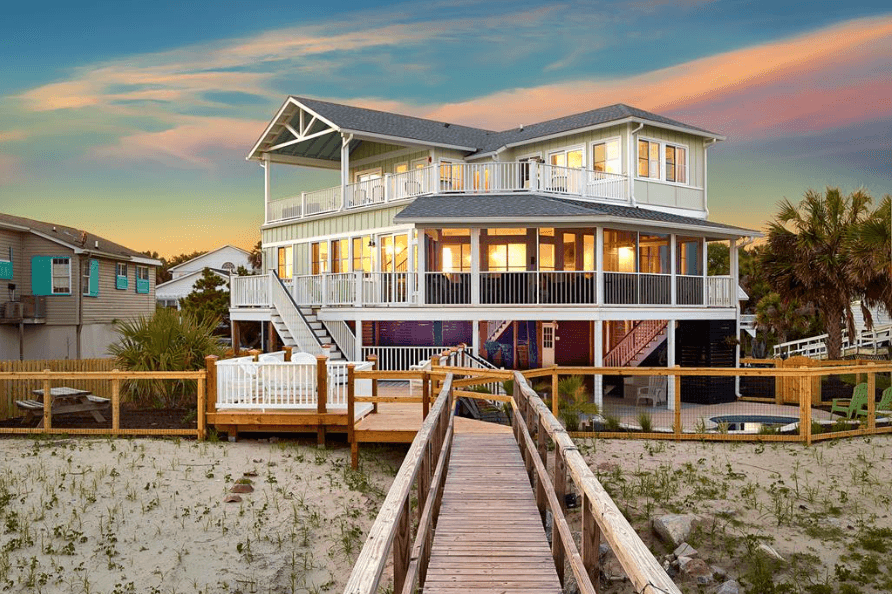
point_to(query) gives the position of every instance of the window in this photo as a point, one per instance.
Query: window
(401, 167)
(653, 253)
(448, 250)
(606, 156)
(648, 159)
(61, 276)
(362, 254)
(420, 163)
(142, 279)
(90, 284)
(319, 257)
(676, 164)
(368, 175)
(571, 158)
(340, 256)
(394, 253)
(121, 276)
(689, 256)
(505, 250)
(619, 251)
(451, 176)
(285, 267)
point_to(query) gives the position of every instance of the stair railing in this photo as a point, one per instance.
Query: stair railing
(293, 318)
(632, 343)
(343, 337)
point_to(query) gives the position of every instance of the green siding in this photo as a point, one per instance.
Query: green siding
(354, 222)
(42, 275)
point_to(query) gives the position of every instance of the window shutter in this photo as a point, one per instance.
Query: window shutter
(94, 278)
(42, 275)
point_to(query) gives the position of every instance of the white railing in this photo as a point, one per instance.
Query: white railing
(493, 177)
(307, 289)
(401, 358)
(343, 336)
(688, 290)
(339, 289)
(388, 288)
(249, 291)
(297, 326)
(720, 291)
(816, 346)
(637, 288)
(273, 383)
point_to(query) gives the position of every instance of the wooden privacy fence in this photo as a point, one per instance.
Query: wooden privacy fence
(111, 382)
(21, 389)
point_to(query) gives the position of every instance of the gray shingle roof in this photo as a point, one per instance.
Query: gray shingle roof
(475, 140)
(458, 208)
(72, 236)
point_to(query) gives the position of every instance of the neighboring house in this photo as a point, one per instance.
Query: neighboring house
(62, 289)
(577, 241)
(223, 261)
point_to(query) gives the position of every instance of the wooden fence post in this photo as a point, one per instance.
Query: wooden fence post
(287, 350)
(560, 486)
(254, 354)
(351, 416)
(591, 541)
(374, 360)
(200, 408)
(677, 423)
(779, 383)
(804, 406)
(321, 395)
(210, 363)
(402, 543)
(435, 361)
(47, 402)
(871, 398)
(116, 403)
(542, 447)
(555, 396)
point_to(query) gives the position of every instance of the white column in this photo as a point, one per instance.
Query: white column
(599, 265)
(475, 337)
(670, 362)
(266, 185)
(357, 341)
(735, 274)
(421, 265)
(705, 272)
(673, 269)
(345, 168)
(599, 362)
(475, 266)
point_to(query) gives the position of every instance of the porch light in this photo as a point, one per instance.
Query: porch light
(372, 242)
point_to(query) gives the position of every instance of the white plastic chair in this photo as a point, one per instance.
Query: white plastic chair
(655, 391)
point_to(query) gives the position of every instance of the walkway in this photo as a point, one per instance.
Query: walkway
(489, 536)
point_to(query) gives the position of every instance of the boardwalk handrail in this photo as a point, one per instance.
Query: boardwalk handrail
(392, 527)
(642, 569)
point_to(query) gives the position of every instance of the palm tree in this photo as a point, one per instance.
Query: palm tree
(255, 258)
(870, 250)
(808, 257)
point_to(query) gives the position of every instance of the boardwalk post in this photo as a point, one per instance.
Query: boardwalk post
(351, 417)
(871, 399)
(47, 402)
(116, 402)
(210, 363)
(425, 394)
(804, 407)
(591, 541)
(542, 447)
(374, 360)
(321, 395)
(287, 350)
(555, 397)
(401, 547)
(435, 360)
(677, 423)
(560, 487)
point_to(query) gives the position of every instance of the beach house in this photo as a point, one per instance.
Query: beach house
(575, 241)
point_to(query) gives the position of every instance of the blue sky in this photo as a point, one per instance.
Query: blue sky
(133, 119)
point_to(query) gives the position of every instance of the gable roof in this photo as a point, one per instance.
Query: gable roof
(174, 281)
(522, 207)
(204, 255)
(476, 142)
(78, 240)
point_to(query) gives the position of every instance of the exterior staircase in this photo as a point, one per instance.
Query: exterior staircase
(641, 341)
(315, 326)
(495, 329)
(299, 327)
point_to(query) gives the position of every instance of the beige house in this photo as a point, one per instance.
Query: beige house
(62, 289)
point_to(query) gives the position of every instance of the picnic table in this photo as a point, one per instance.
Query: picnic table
(66, 401)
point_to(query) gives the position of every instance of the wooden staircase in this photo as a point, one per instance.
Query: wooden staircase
(635, 346)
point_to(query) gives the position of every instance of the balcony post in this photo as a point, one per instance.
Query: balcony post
(421, 265)
(599, 362)
(735, 272)
(673, 269)
(534, 175)
(303, 204)
(345, 167)
(599, 265)
(323, 283)
(705, 273)
(266, 184)
(475, 266)
(388, 181)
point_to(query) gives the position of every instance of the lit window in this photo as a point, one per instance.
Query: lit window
(648, 159)
(319, 257)
(340, 258)
(676, 164)
(606, 156)
(362, 254)
(285, 267)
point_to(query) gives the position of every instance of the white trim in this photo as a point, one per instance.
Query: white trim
(659, 143)
(564, 151)
(395, 165)
(70, 290)
(687, 162)
(661, 177)
(425, 161)
(189, 275)
(228, 245)
(408, 141)
(373, 171)
(568, 313)
(346, 234)
(303, 161)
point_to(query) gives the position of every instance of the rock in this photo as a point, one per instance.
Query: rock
(603, 549)
(770, 552)
(232, 499)
(674, 528)
(685, 550)
(241, 488)
(696, 569)
(718, 572)
(725, 511)
(666, 565)
(729, 587)
(250, 473)
(683, 561)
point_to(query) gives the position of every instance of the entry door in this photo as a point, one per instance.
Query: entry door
(548, 340)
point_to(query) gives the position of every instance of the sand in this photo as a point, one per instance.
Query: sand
(141, 515)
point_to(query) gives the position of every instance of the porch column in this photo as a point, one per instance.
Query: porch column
(670, 362)
(735, 274)
(475, 337)
(475, 266)
(357, 341)
(673, 269)
(345, 167)
(266, 185)
(599, 362)
(599, 266)
(705, 272)
(421, 265)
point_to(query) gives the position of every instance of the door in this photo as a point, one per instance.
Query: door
(548, 339)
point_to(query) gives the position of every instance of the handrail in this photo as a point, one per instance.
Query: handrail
(396, 509)
(303, 318)
(632, 343)
(642, 569)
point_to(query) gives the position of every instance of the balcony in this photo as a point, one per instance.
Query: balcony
(460, 178)
(490, 289)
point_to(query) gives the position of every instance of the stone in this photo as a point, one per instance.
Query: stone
(718, 572)
(241, 488)
(685, 550)
(232, 499)
(729, 587)
(674, 528)
(696, 569)
(683, 561)
(770, 552)
(603, 549)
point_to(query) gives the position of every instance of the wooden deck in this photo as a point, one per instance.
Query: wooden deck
(489, 536)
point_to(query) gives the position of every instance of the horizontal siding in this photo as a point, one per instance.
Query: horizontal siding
(113, 304)
(60, 309)
(353, 222)
(13, 240)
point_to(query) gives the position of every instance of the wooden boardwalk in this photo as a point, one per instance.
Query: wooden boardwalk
(489, 537)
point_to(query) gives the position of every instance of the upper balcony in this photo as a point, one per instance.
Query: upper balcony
(455, 178)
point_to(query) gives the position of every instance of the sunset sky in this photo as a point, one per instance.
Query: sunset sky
(133, 120)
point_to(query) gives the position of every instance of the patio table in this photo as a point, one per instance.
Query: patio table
(66, 401)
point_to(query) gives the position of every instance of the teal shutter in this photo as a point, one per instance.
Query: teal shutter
(42, 275)
(94, 279)
(121, 282)
(5, 270)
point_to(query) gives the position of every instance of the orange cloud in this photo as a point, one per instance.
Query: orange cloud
(12, 135)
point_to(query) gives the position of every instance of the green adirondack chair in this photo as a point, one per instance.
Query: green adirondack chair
(850, 407)
(885, 404)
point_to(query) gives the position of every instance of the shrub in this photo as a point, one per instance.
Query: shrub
(574, 401)
(646, 422)
(168, 341)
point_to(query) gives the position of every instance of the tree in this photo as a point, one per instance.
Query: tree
(255, 257)
(871, 242)
(718, 258)
(209, 298)
(808, 257)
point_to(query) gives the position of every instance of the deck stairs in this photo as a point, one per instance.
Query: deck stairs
(299, 327)
(495, 329)
(642, 340)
